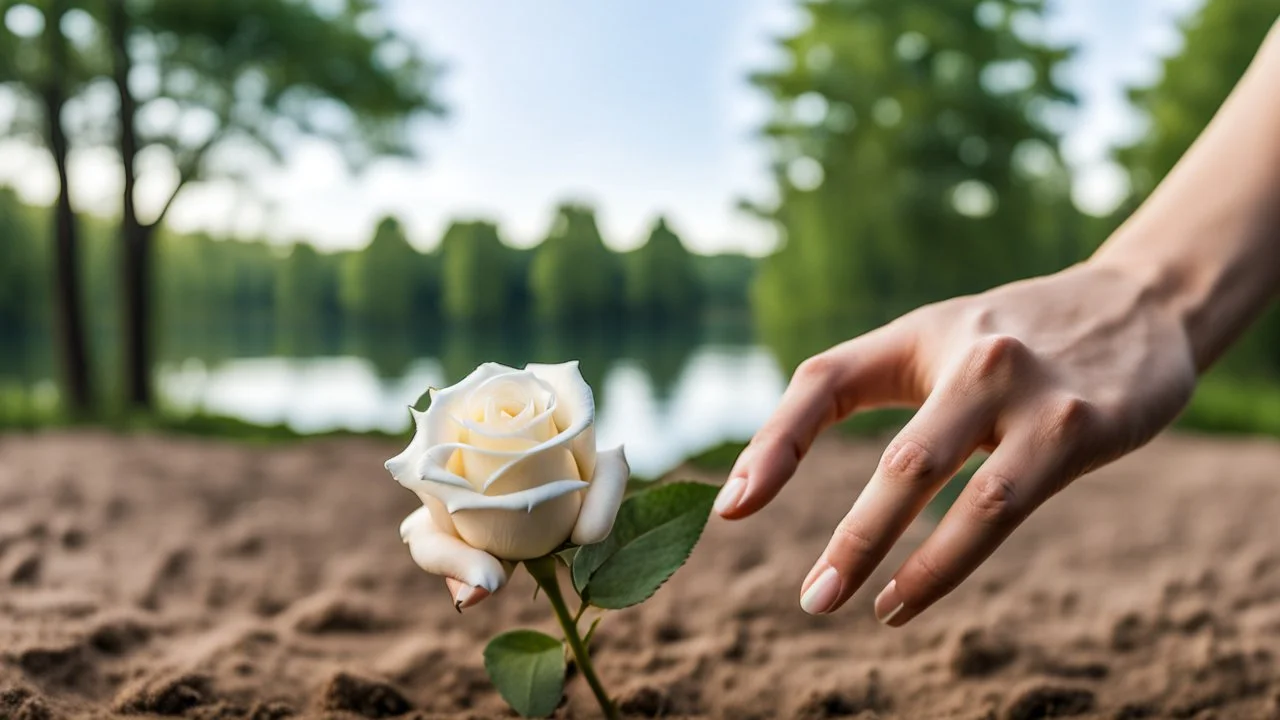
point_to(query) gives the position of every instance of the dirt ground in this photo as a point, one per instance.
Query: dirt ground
(150, 575)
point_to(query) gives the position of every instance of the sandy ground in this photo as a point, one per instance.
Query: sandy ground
(149, 575)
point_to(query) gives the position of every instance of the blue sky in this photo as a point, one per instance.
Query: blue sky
(639, 107)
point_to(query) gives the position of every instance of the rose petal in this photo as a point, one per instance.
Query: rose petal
(457, 498)
(573, 415)
(520, 471)
(518, 526)
(557, 458)
(602, 499)
(575, 410)
(442, 554)
(523, 525)
(437, 422)
(405, 465)
(517, 534)
(491, 446)
(534, 422)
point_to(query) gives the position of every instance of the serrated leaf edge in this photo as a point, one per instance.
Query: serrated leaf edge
(586, 588)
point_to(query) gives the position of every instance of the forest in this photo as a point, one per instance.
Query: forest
(915, 149)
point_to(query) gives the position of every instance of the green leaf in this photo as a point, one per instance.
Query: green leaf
(566, 556)
(638, 484)
(652, 537)
(528, 669)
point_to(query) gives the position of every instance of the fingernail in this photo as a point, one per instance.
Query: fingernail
(730, 494)
(888, 603)
(464, 595)
(822, 594)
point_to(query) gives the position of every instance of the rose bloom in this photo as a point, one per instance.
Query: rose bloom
(506, 466)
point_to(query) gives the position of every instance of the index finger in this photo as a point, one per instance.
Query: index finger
(865, 372)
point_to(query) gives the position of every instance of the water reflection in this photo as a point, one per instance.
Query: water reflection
(663, 393)
(719, 393)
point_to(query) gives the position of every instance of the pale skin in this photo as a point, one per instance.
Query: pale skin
(1054, 376)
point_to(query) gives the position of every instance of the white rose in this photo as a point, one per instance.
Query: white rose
(506, 466)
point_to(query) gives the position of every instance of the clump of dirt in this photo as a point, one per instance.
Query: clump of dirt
(980, 653)
(363, 696)
(166, 694)
(1044, 700)
(21, 703)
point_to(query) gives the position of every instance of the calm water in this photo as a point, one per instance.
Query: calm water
(719, 392)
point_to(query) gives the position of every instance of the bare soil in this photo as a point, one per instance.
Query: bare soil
(149, 575)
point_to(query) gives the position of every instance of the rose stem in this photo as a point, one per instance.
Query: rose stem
(543, 571)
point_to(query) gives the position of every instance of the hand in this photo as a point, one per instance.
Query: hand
(1054, 376)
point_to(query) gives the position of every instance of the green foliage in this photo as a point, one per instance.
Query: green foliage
(662, 283)
(720, 457)
(528, 668)
(479, 272)
(574, 278)
(913, 160)
(652, 537)
(380, 284)
(24, 263)
(308, 288)
(1219, 40)
(725, 281)
(1225, 404)
(347, 77)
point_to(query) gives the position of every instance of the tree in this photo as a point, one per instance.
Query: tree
(22, 270)
(261, 72)
(913, 160)
(1219, 41)
(475, 268)
(40, 67)
(574, 278)
(307, 292)
(379, 282)
(662, 282)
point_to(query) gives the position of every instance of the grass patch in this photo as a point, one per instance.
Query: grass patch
(198, 425)
(1237, 407)
(221, 426)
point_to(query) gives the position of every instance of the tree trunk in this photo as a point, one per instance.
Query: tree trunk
(70, 319)
(136, 238)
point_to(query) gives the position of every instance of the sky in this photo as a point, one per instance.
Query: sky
(641, 108)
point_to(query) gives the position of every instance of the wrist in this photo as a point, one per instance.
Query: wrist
(1211, 297)
(1160, 286)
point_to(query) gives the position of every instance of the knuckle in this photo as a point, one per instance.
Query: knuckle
(851, 540)
(934, 580)
(819, 368)
(781, 442)
(907, 461)
(982, 319)
(1067, 419)
(996, 357)
(994, 500)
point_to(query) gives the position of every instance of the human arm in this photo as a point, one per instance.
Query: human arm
(1054, 375)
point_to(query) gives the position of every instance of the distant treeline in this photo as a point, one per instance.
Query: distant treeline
(471, 280)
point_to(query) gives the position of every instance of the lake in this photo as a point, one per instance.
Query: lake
(664, 396)
(721, 393)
